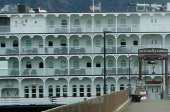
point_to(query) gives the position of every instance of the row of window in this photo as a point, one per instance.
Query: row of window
(98, 23)
(76, 64)
(75, 43)
(62, 90)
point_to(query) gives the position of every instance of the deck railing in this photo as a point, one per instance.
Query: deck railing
(106, 103)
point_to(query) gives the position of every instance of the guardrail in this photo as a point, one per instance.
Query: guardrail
(106, 103)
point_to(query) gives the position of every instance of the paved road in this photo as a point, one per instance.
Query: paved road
(149, 106)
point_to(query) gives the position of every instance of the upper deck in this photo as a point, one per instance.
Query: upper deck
(84, 22)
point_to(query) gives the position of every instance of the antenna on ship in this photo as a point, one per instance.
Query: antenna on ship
(94, 7)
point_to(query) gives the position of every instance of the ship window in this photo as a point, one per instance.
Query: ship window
(75, 43)
(57, 91)
(63, 42)
(35, 22)
(64, 23)
(74, 89)
(50, 43)
(89, 24)
(112, 88)
(26, 92)
(2, 44)
(98, 90)
(97, 43)
(88, 43)
(98, 23)
(76, 64)
(110, 23)
(123, 22)
(63, 65)
(50, 91)
(41, 65)
(151, 20)
(40, 43)
(123, 43)
(76, 22)
(123, 63)
(64, 91)
(122, 87)
(110, 63)
(41, 92)
(50, 64)
(110, 42)
(15, 64)
(88, 64)
(98, 64)
(33, 91)
(81, 91)
(15, 43)
(135, 42)
(28, 43)
(28, 64)
(51, 24)
(88, 90)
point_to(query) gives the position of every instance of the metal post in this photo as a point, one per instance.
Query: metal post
(129, 73)
(130, 58)
(104, 58)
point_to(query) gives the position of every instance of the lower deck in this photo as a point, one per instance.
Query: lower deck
(64, 89)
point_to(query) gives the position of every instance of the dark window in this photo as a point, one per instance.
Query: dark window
(33, 91)
(50, 91)
(15, 43)
(74, 89)
(41, 92)
(26, 91)
(63, 43)
(41, 65)
(50, 43)
(3, 44)
(123, 43)
(64, 23)
(88, 91)
(81, 91)
(98, 65)
(122, 87)
(57, 91)
(28, 64)
(135, 42)
(88, 64)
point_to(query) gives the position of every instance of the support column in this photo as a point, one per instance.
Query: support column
(93, 88)
(166, 75)
(20, 89)
(140, 69)
(44, 90)
(92, 23)
(116, 86)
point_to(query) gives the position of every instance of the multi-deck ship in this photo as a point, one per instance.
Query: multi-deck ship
(49, 58)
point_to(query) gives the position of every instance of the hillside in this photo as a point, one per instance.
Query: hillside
(79, 5)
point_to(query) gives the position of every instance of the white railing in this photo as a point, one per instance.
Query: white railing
(41, 101)
(85, 28)
(24, 101)
(4, 28)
